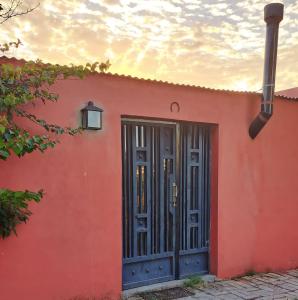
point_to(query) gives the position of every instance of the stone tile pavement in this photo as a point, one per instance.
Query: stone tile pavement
(261, 286)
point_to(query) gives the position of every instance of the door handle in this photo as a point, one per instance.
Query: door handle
(175, 194)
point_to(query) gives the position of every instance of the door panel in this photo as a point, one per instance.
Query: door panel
(161, 240)
(194, 200)
(148, 220)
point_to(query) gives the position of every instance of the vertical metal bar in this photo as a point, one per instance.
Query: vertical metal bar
(178, 206)
(153, 194)
(188, 185)
(179, 175)
(161, 189)
(166, 202)
(185, 173)
(124, 194)
(158, 190)
(134, 189)
(201, 194)
(205, 185)
(155, 161)
(208, 162)
(142, 137)
(173, 207)
(182, 189)
(148, 186)
(129, 189)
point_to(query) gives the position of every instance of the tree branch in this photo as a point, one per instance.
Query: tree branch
(14, 8)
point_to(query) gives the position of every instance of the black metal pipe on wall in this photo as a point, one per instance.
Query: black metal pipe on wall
(273, 14)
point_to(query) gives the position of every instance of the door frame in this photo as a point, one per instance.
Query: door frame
(213, 186)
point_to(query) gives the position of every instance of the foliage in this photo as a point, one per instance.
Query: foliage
(27, 84)
(250, 273)
(193, 281)
(21, 85)
(14, 209)
(13, 8)
(6, 46)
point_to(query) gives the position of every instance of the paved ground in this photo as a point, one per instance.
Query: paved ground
(261, 286)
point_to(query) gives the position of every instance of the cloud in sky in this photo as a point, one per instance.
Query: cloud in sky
(209, 43)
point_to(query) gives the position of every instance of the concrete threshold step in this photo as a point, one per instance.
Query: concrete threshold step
(162, 286)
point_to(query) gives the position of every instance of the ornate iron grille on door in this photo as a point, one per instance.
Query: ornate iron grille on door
(194, 200)
(165, 233)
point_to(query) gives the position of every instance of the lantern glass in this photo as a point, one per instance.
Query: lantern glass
(91, 117)
(94, 119)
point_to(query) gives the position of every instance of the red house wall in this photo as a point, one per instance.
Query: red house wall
(72, 244)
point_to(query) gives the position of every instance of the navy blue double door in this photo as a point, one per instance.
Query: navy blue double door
(165, 201)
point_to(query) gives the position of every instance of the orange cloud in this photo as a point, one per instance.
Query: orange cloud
(209, 43)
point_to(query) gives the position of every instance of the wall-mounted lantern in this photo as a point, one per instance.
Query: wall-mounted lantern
(91, 117)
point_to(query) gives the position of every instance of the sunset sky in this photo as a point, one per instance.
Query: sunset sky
(218, 44)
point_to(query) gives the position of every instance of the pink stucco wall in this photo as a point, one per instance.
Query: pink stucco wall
(72, 243)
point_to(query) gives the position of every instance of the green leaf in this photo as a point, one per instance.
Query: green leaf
(17, 148)
(4, 154)
(14, 209)
(2, 129)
